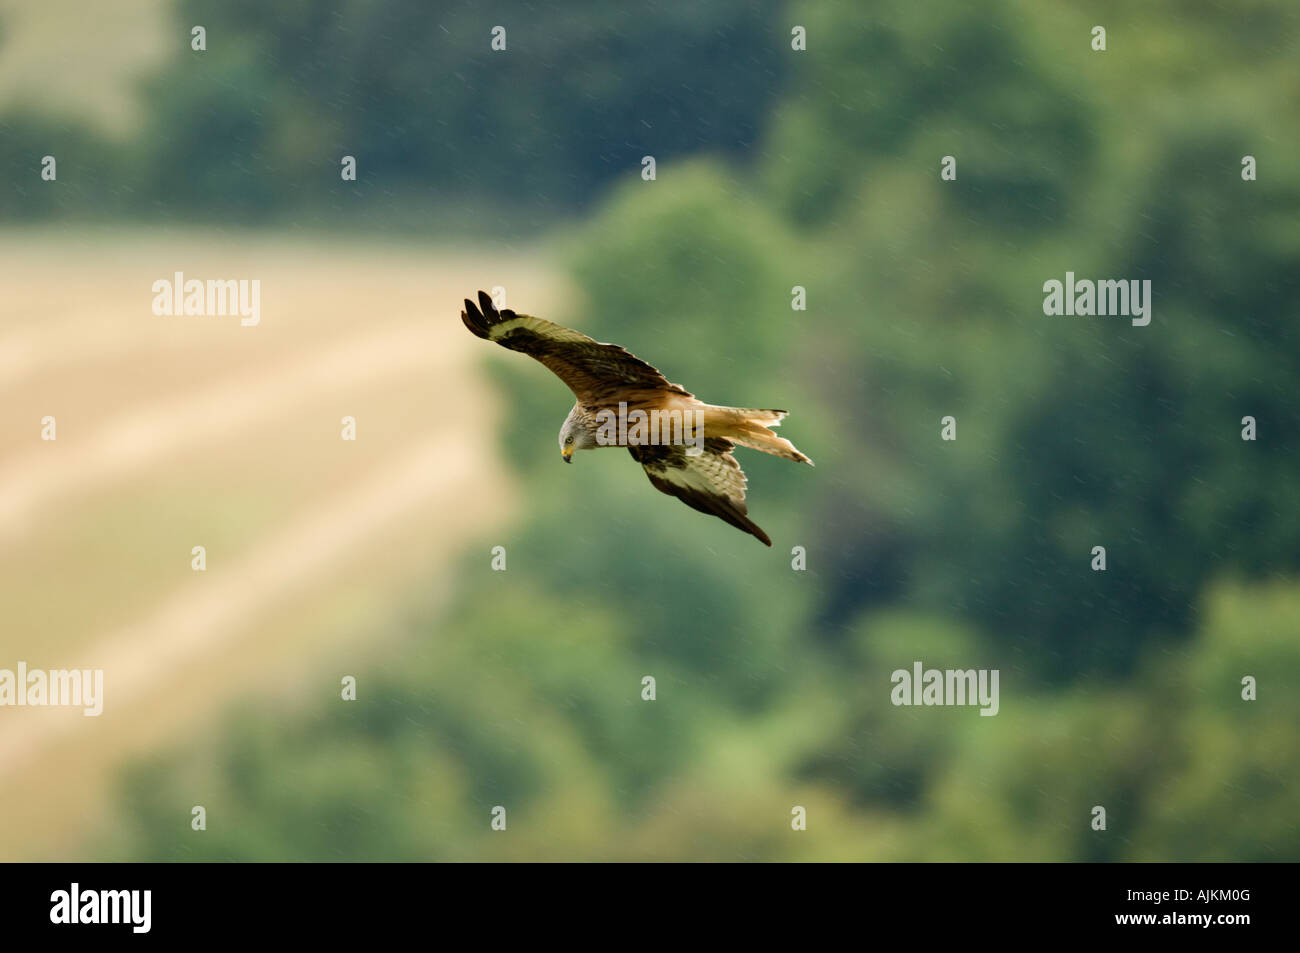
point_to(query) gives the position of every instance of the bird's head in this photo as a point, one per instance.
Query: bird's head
(575, 435)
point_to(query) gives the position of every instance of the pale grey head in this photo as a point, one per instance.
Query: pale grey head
(576, 434)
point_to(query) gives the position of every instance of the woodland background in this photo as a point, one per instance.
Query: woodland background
(775, 168)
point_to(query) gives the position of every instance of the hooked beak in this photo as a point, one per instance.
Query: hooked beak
(567, 455)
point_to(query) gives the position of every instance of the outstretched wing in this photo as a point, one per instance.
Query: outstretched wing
(711, 482)
(596, 373)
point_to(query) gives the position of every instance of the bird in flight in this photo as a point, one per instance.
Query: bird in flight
(683, 444)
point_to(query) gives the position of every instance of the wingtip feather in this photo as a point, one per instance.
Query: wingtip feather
(474, 320)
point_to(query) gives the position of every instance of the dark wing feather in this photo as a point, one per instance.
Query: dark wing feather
(711, 482)
(596, 373)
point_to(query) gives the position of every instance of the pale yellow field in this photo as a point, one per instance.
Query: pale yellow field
(174, 432)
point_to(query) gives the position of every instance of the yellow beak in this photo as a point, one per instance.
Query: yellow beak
(568, 455)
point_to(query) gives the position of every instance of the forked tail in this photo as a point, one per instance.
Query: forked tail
(751, 427)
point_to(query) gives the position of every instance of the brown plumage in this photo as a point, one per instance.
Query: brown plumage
(605, 376)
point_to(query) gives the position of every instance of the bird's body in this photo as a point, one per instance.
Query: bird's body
(683, 444)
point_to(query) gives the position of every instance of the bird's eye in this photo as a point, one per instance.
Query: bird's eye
(569, 439)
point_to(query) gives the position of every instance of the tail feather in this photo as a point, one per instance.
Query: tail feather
(749, 427)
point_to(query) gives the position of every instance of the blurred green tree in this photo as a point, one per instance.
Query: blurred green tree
(419, 96)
